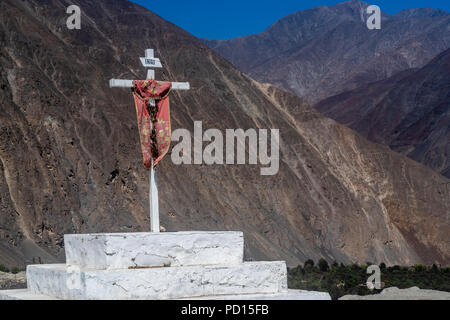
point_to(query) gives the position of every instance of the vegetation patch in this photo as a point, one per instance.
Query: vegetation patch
(340, 280)
(13, 270)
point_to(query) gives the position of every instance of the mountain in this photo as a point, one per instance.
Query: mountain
(325, 51)
(409, 112)
(70, 160)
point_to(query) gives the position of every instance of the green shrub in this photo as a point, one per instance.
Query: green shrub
(323, 265)
(309, 264)
(419, 268)
(3, 268)
(15, 270)
(342, 280)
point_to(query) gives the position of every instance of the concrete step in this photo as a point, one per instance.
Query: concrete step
(123, 250)
(290, 295)
(73, 283)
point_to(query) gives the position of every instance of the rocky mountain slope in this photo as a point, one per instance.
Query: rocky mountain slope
(409, 112)
(324, 51)
(70, 160)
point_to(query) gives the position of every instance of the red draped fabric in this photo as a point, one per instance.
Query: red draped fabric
(155, 140)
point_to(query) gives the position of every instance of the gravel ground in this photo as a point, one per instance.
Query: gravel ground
(13, 281)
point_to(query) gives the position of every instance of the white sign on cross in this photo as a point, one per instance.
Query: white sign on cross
(151, 62)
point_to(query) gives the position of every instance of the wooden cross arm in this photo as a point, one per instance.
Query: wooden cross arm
(118, 83)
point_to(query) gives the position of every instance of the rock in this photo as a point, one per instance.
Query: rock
(394, 293)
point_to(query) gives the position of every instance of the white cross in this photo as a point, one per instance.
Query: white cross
(150, 62)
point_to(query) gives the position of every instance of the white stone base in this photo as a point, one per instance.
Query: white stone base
(290, 295)
(157, 283)
(123, 250)
(158, 266)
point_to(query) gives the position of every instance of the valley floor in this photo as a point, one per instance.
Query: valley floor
(341, 280)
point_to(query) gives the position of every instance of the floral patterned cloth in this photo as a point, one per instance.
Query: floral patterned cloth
(155, 139)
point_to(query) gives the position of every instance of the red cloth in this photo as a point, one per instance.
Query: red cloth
(154, 143)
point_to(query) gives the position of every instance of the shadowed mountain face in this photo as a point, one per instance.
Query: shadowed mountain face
(70, 160)
(324, 51)
(409, 112)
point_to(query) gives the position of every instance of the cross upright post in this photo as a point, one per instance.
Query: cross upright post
(150, 62)
(152, 178)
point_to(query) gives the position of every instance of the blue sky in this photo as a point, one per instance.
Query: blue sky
(223, 19)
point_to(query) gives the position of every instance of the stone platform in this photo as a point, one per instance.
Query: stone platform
(124, 250)
(24, 294)
(158, 266)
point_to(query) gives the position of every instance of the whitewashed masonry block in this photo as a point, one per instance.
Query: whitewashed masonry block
(72, 283)
(127, 250)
